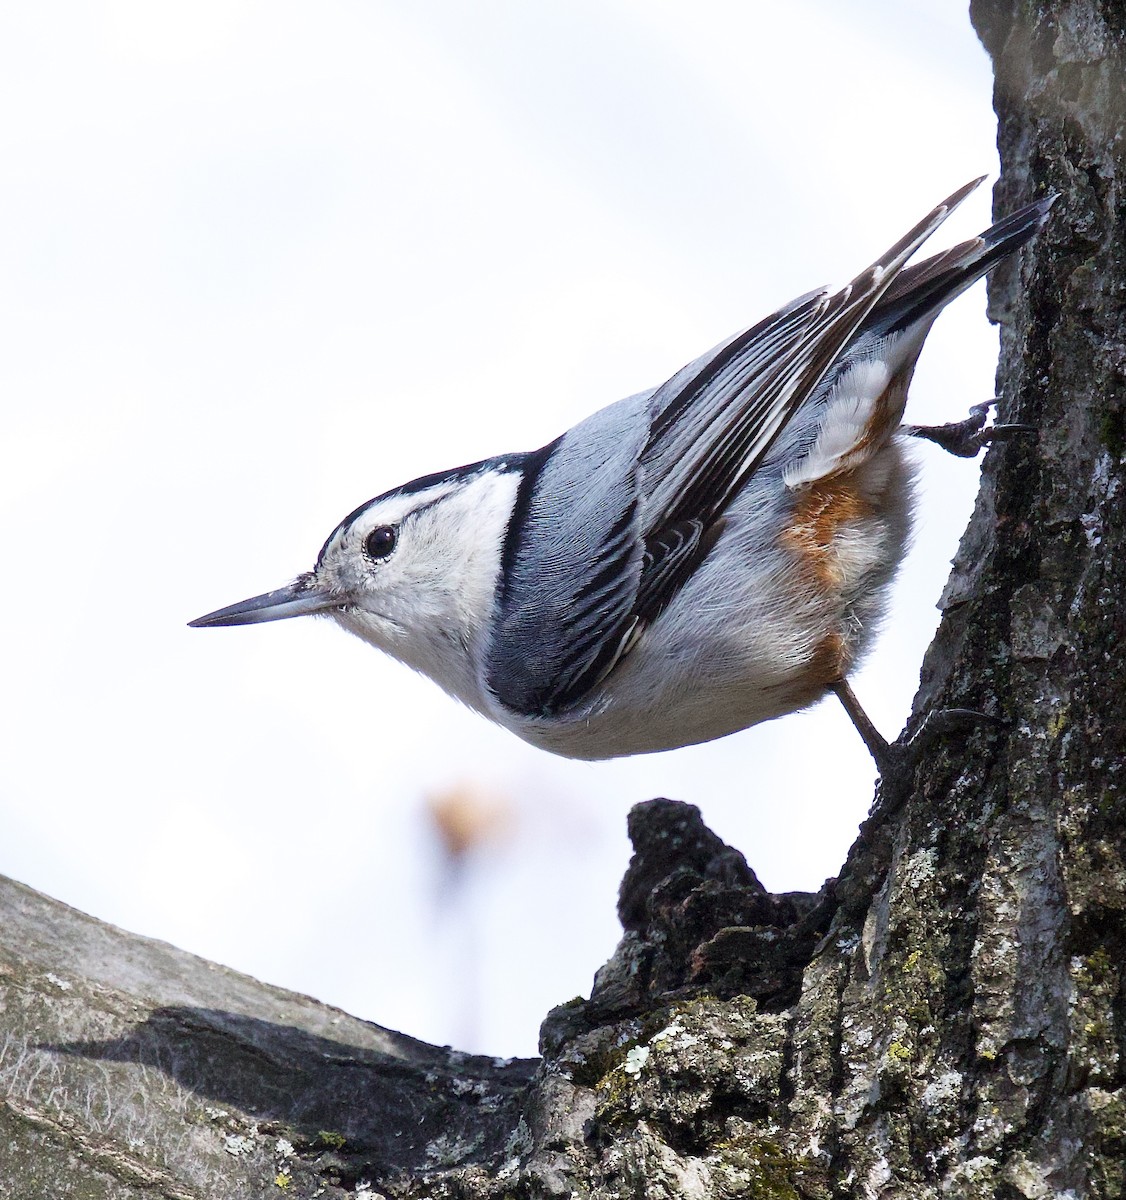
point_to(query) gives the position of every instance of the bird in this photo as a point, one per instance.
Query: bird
(687, 562)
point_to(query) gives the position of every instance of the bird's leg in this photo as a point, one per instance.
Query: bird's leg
(896, 763)
(967, 438)
(878, 746)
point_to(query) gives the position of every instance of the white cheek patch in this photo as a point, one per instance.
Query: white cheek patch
(848, 412)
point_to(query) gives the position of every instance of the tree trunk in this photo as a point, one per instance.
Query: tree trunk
(948, 1018)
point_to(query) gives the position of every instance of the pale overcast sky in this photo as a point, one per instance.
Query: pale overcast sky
(260, 261)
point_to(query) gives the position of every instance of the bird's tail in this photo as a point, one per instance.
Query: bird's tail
(928, 286)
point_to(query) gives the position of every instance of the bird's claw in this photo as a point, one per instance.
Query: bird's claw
(968, 437)
(897, 762)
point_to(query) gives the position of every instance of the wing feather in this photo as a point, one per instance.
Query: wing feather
(627, 503)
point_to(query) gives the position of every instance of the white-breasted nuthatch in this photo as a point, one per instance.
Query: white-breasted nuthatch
(686, 562)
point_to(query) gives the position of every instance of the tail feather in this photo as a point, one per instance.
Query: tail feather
(928, 286)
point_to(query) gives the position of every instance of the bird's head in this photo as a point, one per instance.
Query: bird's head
(413, 572)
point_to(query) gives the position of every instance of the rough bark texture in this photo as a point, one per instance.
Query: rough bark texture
(947, 1019)
(132, 1069)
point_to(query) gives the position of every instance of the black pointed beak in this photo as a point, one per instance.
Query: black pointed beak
(296, 599)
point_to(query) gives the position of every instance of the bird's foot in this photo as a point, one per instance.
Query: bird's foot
(968, 437)
(898, 762)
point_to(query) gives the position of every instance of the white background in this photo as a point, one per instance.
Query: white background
(260, 261)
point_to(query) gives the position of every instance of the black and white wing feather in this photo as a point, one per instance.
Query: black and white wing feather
(614, 516)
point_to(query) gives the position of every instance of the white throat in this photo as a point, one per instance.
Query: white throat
(436, 620)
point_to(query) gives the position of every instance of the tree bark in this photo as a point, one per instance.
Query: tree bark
(947, 1018)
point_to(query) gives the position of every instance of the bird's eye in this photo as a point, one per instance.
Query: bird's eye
(380, 542)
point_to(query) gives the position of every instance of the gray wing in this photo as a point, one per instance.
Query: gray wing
(612, 518)
(572, 555)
